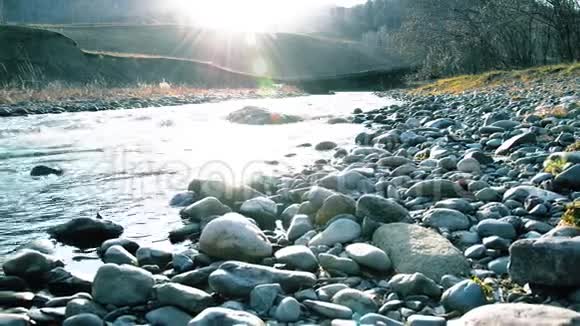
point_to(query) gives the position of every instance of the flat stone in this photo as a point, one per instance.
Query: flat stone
(358, 301)
(510, 144)
(329, 310)
(414, 284)
(491, 227)
(237, 279)
(334, 263)
(85, 232)
(416, 249)
(299, 226)
(30, 264)
(333, 206)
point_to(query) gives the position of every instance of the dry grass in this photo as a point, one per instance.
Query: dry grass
(465, 83)
(62, 92)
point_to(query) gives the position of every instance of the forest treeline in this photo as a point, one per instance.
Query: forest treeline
(446, 37)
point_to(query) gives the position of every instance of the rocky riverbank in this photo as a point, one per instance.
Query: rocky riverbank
(450, 208)
(41, 102)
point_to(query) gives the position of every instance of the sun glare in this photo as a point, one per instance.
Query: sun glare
(234, 15)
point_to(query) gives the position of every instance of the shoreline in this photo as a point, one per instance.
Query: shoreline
(15, 102)
(456, 174)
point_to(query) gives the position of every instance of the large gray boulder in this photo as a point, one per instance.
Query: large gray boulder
(548, 261)
(413, 248)
(122, 285)
(380, 209)
(237, 279)
(225, 317)
(253, 115)
(233, 236)
(518, 314)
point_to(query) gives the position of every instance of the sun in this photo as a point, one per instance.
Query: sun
(232, 15)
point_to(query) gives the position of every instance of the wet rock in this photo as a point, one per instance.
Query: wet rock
(129, 245)
(263, 210)
(298, 257)
(330, 310)
(16, 299)
(520, 314)
(376, 319)
(30, 265)
(153, 256)
(358, 301)
(84, 306)
(118, 255)
(463, 297)
(339, 231)
(446, 218)
(414, 284)
(380, 209)
(518, 140)
(421, 320)
(325, 146)
(168, 316)
(369, 256)
(546, 261)
(85, 232)
(499, 265)
(182, 199)
(253, 115)
(185, 232)
(61, 282)
(225, 317)
(122, 285)
(184, 297)
(416, 249)
(7, 319)
(333, 206)
(43, 170)
(458, 204)
(209, 206)
(469, 165)
(232, 236)
(237, 279)
(12, 283)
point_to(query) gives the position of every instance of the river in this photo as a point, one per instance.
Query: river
(128, 164)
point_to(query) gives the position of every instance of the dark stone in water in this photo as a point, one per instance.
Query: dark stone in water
(253, 115)
(12, 283)
(43, 170)
(60, 282)
(85, 232)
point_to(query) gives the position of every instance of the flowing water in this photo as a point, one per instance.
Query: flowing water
(128, 164)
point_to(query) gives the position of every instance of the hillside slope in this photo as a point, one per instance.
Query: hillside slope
(31, 56)
(275, 55)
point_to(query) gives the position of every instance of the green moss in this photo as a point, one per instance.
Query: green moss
(554, 166)
(486, 288)
(571, 216)
(574, 147)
